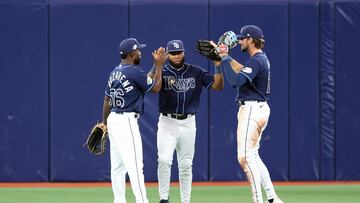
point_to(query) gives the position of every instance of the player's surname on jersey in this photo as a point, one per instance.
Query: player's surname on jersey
(121, 78)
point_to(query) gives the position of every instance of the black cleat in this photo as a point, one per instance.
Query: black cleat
(164, 201)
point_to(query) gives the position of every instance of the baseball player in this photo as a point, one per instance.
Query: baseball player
(252, 80)
(178, 105)
(123, 104)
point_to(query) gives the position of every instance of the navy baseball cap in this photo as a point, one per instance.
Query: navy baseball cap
(129, 45)
(175, 45)
(250, 31)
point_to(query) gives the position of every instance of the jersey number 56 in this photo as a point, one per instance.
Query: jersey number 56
(116, 97)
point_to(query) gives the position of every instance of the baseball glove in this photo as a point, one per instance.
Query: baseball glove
(97, 139)
(228, 38)
(204, 47)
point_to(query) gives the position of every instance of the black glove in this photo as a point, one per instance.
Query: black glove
(97, 139)
(205, 48)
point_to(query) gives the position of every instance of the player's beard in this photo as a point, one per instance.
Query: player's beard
(137, 61)
(244, 49)
(177, 66)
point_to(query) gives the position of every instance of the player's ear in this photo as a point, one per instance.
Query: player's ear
(252, 40)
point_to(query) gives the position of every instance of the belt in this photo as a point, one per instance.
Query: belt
(251, 101)
(177, 116)
(136, 115)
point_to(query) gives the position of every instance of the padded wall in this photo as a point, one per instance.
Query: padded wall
(304, 131)
(155, 23)
(84, 38)
(55, 57)
(24, 88)
(272, 17)
(347, 28)
(327, 91)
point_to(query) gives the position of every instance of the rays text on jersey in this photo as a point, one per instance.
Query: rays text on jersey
(178, 85)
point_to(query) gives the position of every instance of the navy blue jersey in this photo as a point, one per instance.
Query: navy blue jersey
(257, 72)
(126, 86)
(181, 88)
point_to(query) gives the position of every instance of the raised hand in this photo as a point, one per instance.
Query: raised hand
(221, 49)
(159, 56)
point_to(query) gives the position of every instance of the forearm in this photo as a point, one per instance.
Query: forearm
(106, 109)
(235, 66)
(218, 83)
(151, 73)
(158, 79)
(233, 78)
(159, 60)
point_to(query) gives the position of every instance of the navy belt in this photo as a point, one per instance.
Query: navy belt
(177, 116)
(136, 115)
(243, 102)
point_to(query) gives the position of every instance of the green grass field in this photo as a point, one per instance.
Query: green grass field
(200, 194)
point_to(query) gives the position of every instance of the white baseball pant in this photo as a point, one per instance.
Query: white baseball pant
(126, 156)
(180, 135)
(252, 120)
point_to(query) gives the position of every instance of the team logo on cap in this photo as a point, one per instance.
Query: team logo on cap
(134, 47)
(176, 45)
(247, 70)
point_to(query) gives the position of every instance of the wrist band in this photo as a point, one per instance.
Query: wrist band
(226, 58)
